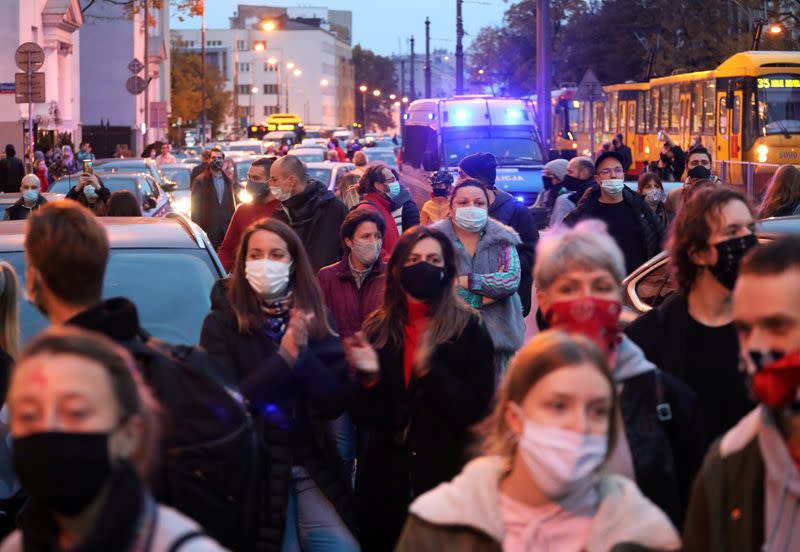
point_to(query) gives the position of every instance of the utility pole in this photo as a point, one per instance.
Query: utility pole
(543, 69)
(203, 79)
(427, 57)
(459, 49)
(236, 123)
(146, 71)
(413, 94)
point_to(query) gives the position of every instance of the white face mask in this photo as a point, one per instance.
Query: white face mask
(559, 460)
(278, 193)
(613, 186)
(654, 196)
(471, 219)
(268, 278)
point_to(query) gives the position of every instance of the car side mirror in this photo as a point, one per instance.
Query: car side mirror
(169, 186)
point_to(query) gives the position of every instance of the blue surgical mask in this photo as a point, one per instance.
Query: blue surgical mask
(471, 219)
(30, 196)
(394, 189)
(89, 192)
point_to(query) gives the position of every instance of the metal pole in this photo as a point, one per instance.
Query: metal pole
(236, 125)
(203, 78)
(146, 71)
(402, 77)
(413, 94)
(543, 68)
(286, 88)
(363, 113)
(591, 128)
(31, 156)
(459, 49)
(427, 58)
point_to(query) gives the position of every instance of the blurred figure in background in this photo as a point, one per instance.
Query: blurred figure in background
(652, 190)
(360, 160)
(203, 166)
(578, 178)
(212, 199)
(783, 194)
(553, 175)
(11, 171)
(347, 190)
(90, 192)
(438, 206)
(122, 203)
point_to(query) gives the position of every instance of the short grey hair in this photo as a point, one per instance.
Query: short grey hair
(586, 246)
(584, 163)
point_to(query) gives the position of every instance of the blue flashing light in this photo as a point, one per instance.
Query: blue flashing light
(430, 116)
(513, 114)
(521, 199)
(461, 115)
(405, 116)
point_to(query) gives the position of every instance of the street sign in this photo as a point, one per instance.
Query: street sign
(590, 89)
(7, 87)
(158, 115)
(135, 66)
(29, 57)
(29, 88)
(135, 85)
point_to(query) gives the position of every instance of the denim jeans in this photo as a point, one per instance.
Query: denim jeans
(344, 432)
(312, 523)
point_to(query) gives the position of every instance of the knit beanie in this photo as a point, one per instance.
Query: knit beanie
(558, 168)
(481, 166)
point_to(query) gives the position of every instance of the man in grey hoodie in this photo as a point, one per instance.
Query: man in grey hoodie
(747, 495)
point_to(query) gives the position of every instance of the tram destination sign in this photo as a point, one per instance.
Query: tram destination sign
(767, 82)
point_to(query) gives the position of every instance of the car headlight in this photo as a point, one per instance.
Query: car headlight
(245, 196)
(184, 205)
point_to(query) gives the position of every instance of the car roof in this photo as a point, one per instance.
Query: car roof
(327, 165)
(180, 166)
(122, 161)
(778, 226)
(170, 232)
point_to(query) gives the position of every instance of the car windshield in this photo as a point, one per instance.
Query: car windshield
(255, 148)
(181, 177)
(241, 170)
(130, 166)
(170, 288)
(111, 181)
(308, 157)
(382, 156)
(509, 151)
(779, 104)
(323, 175)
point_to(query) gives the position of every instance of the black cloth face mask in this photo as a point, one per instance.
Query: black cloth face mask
(571, 183)
(422, 281)
(699, 173)
(729, 257)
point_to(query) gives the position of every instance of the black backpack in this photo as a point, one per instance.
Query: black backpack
(212, 461)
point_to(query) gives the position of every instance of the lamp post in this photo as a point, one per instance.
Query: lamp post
(363, 89)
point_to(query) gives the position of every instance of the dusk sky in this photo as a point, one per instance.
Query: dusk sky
(381, 25)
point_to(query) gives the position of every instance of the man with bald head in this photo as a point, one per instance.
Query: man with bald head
(579, 178)
(312, 210)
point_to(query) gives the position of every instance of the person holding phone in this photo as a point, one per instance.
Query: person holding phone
(672, 160)
(90, 192)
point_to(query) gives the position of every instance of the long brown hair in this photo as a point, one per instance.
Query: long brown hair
(545, 353)
(306, 294)
(9, 310)
(449, 315)
(783, 190)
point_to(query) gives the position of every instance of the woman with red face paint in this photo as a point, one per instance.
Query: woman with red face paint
(579, 275)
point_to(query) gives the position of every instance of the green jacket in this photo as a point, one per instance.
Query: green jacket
(464, 516)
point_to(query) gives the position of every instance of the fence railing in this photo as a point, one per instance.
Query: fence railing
(750, 177)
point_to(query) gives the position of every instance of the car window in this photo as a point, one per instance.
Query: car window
(323, 175)
(658, 284)
(173, 308)
(110, 181)
(181, 177)
(148, 189)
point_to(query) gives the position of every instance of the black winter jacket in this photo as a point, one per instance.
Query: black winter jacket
(19, 211)
(418, 437)
(409, 216)
(653, 232)
(12, 170)
(512, 213)
(292, 406)
(316, 214)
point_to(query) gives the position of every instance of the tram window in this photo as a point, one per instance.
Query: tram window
(675, 108)
(663, 111)
(641, 113)
(697, 107)
(611, 115)
(632, 108)
(709, 101)
(723, 116)
(736, 123)
(653, 118)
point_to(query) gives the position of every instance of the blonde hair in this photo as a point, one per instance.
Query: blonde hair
(9, 310)
(783, 190)
(545, 353)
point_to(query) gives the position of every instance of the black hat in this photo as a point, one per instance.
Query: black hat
(605, 155)
(481, 166)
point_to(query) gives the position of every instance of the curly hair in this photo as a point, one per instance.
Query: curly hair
(692, 229)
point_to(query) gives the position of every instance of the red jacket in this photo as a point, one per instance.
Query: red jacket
(349, 304)
(245, 215)
(377, 202)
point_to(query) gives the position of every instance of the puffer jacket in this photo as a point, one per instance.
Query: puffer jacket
(349, 304)
(503, 317)
(653, 232)
(464, 515)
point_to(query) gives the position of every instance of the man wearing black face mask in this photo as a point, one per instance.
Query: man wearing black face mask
(579, 178)
(212, 199)
(699, 168)
(263, 205)
(691, 335)
(747, 496)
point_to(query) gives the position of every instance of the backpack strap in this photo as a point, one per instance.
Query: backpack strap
(183, 539)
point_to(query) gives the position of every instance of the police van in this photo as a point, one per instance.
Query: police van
(439, 133)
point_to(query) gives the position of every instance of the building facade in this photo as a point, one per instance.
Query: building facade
(112, 37)
(302, 63)
(52, 24)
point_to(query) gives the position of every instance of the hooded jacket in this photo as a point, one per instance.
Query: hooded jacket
(316, 214)
(465, 514)
(512, 213)
(652, 230)
(747, 495)
(503, 317)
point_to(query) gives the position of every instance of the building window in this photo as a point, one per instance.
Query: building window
(270, 67)
(244, 89)
(270, 89)
(270, 110)
(241, 44)
(244, 67)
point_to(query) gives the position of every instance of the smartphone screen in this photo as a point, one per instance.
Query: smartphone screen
(87, 166)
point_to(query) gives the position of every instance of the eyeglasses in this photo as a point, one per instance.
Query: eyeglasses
(616, 171)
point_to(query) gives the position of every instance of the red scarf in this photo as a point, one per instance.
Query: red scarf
(413, 330)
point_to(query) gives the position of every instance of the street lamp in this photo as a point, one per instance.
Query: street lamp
(259, 47)
(392, 96)
(297, 72)
(776, 29)
(323, 83)
(363, 87)
(268, 26)
(376, 93)
(290, 65)
(405, 99)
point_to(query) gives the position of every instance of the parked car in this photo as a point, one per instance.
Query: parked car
(135, 166)
(329, 173)
(190, 162)
(244, 147)
(382, 155)
(166, 266)
(652, 283)
(308, 155)
(181, 175)
(154, 201)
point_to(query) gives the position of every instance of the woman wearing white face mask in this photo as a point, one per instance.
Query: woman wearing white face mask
(488, 266)
(269, 333)
(379, 186)
(542, 487)
(652, 190)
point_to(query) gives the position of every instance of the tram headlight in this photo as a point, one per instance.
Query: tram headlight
(762, 151)
(647, 150)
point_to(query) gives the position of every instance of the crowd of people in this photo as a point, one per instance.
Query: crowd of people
(376, 353)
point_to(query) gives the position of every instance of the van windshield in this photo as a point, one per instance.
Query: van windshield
(510, 151)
